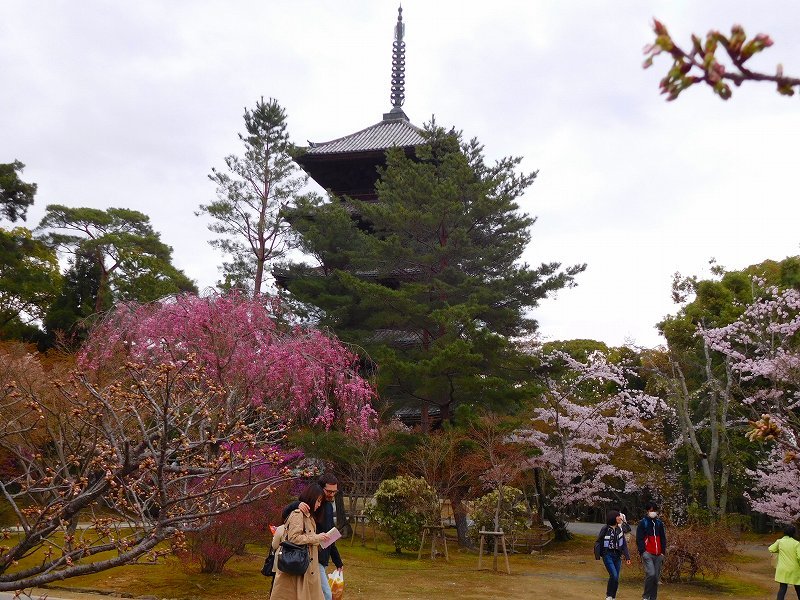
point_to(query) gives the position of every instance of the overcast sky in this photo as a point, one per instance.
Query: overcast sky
(130, 104)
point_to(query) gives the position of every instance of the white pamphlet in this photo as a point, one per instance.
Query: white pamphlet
(333, 535)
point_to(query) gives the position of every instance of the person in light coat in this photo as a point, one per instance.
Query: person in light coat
(787, 571)
(300, 528)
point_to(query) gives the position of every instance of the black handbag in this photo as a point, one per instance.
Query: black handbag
(293, 559)
(268, 570)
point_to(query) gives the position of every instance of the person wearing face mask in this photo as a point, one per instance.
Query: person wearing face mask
(651, 541)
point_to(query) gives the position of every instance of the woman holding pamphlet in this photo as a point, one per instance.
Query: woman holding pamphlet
(300, 537)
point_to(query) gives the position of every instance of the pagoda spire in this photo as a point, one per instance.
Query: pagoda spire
(398, 95)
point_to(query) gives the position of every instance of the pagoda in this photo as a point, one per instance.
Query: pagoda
(348, 166)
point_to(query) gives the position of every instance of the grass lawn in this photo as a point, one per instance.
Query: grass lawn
(565, 572)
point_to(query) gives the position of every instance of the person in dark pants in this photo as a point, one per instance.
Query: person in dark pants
(615, 546)
(787, 570)
(329, 485)
(651, 541)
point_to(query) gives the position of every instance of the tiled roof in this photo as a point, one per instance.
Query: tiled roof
(381, 136)
(410, 411)
(398, 338)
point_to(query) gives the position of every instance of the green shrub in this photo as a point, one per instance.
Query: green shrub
(401, 506)
(514, 514)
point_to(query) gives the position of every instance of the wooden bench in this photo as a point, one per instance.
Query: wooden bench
(535, 539)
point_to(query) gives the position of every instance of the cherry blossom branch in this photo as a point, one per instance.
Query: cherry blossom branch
(133, 446)
(702, 65)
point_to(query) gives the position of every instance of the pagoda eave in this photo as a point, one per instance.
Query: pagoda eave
(352, 174)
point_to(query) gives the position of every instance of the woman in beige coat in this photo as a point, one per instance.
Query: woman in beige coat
(301, 529)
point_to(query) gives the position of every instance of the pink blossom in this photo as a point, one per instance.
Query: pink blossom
(247, 347)
(587, 416)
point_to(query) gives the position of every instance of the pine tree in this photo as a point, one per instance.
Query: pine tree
(134, 263)
(429, 279)
(253, 193)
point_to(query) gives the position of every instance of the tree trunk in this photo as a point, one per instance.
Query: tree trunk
(102, 288)
(460, 517)
(711, 495)
(688, 427)
(558, 524)
(445, 412)
(723, 490)
(462, 527)
(258, 279)
(424, 419)
(713, 417)
(497, 524)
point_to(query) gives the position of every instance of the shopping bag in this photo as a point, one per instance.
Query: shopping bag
(336, 581)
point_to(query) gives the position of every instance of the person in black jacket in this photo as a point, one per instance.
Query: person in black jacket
(614, 547)
(330, 486)
(651, 541)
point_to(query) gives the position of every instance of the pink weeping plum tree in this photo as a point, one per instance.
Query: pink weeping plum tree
(177, 415)
(247, 346)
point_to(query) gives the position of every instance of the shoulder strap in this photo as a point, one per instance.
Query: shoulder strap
(286, 525)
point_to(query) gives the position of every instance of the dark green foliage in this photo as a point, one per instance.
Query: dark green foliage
(719, 302)
(29, 280)
(76, 301)
(360, 464)
(133, 262)
(428, 279)
(15, 195)
(577, 349)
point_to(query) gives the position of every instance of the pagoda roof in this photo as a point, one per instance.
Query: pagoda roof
(388, 133)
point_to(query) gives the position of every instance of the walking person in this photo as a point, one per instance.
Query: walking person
(651, 541)
(614, 547)
(300, 528)
(787, 571)
(330, 486)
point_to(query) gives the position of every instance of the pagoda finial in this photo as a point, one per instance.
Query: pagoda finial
(398, 69)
